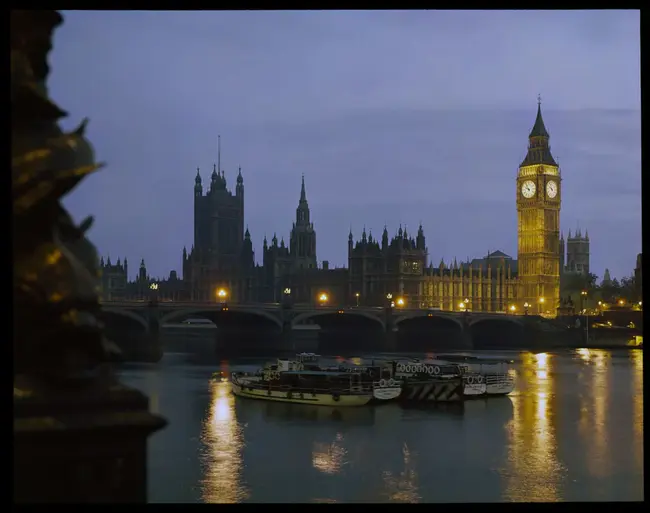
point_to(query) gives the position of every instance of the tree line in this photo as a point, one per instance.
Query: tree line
(611, 291)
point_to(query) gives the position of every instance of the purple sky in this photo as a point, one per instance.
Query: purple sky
(393, 117)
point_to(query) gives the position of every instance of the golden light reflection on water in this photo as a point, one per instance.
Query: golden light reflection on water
(637, 394)
(403, 487)
(585, 354)
(593, 411)
(329, 458)
(222, 438)
(533, 473)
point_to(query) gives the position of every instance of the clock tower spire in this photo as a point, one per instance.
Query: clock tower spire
(538, 223)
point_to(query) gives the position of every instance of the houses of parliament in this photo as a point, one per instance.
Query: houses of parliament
(222, 255)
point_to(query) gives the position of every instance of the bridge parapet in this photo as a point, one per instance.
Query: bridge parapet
(297, 313)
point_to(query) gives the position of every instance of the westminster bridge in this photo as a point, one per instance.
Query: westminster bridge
(252, 327)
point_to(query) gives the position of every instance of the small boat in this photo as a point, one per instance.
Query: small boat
(495, 374)
(474, 384)
(327, 388)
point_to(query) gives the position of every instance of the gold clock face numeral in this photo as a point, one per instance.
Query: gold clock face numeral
(528, 189)
(551, 189)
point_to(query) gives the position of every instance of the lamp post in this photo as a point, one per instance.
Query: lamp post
(356, 295)
(323, 298)
(462, 305)
(526, 307)
(400, 302)
(513, 309)
(286, 297)
(541, 304)
(153, 298)
(222, 296)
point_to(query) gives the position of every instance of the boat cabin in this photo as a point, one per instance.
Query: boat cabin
(322, 381)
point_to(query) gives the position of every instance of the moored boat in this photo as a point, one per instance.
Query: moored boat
(495, 373)
(474, 385)
(328, 388)
(415, 381)
(384, 386)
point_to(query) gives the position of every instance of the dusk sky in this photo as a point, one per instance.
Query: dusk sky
(392, 116)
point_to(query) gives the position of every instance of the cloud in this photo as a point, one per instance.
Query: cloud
(392, 116)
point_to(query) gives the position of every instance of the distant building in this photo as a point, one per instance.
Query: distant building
(115, 284)
(114, 278)
(394, 267)
(638, 278)
(222, 255)
(577, 253)
(607, 279)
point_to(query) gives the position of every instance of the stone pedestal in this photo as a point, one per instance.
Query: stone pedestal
(81, 444)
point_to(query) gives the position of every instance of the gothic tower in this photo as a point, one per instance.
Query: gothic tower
(538, 223)
(302, 245)
(577, 254)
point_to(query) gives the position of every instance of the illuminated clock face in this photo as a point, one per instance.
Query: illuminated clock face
(551, 189)
(528, 189)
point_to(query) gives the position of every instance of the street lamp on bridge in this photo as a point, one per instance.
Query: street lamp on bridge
(526, 307)
(400, 302)
(323, 298)
(356, 295)
(222, 295)
(513, 309)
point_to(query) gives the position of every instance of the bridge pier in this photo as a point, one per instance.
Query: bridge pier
(390, 344)
(466, 341)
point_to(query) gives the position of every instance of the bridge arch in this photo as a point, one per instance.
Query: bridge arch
(423, 314)
(129, 314)
(195, 311)
(310, 315)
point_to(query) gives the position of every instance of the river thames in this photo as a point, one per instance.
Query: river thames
(571, 431)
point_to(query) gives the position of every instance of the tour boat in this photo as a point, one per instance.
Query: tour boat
(433, 380)
(384, 386)
(414, 381)
(295, 385)
(498, 379)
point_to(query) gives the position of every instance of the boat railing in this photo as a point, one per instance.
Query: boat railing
(312, 390)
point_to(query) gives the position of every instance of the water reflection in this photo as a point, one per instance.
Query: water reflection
(593, 420)
(533, 472)
(403, 486)
(584, 354)
(329, 458)
(637, 394)
(222, 439)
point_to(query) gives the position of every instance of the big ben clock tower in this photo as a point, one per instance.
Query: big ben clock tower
(538, 224)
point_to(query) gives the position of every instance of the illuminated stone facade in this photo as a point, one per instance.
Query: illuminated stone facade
(539, 197)
(486, 284)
